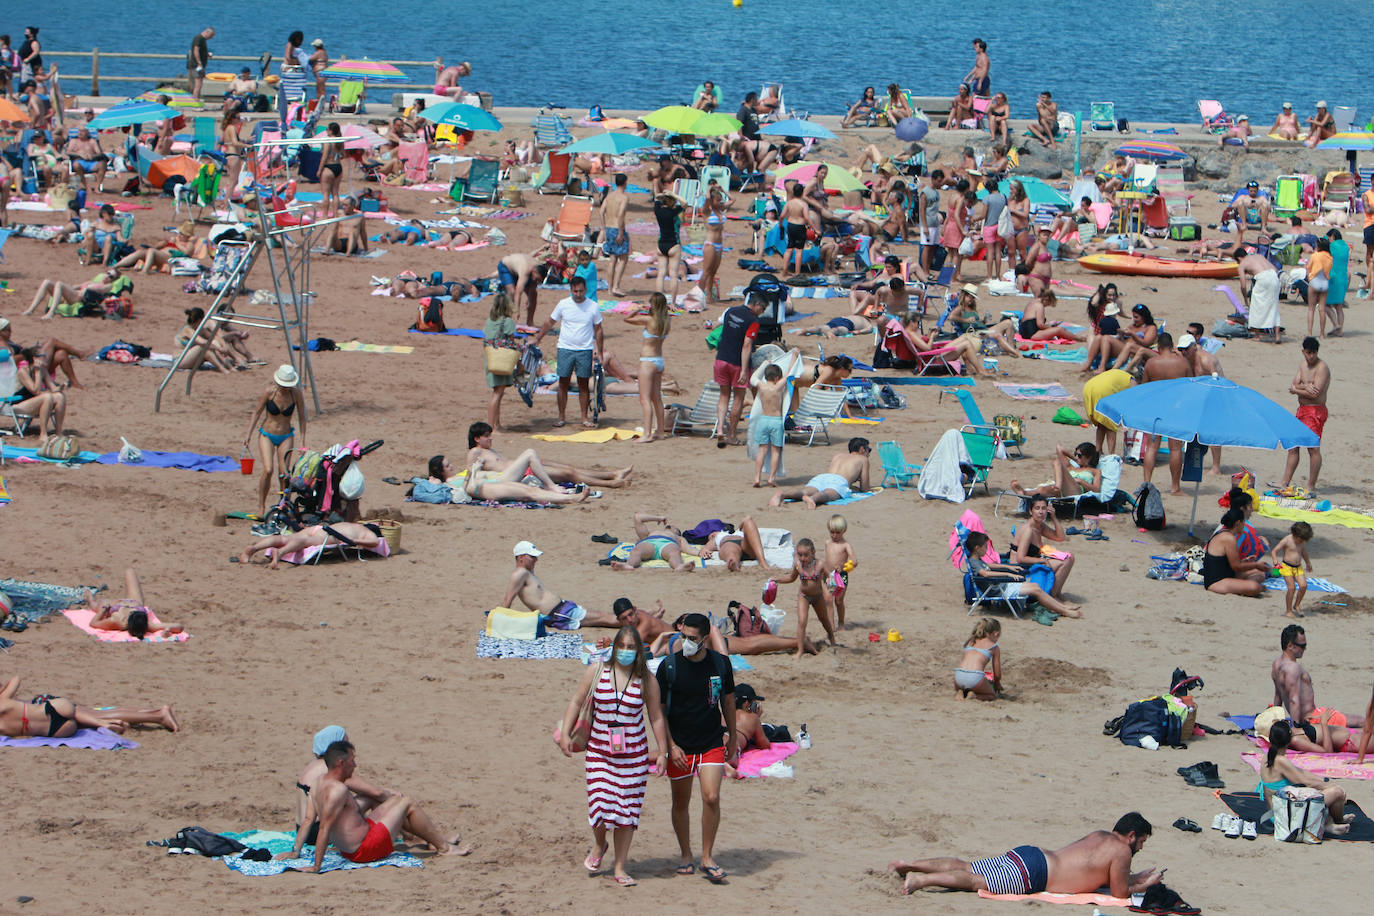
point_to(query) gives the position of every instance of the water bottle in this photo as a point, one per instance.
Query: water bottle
(804, 739)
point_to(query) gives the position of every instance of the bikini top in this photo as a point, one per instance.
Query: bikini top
(715, 219)
(987, 653)
(276, 411)
(648, 336)
(813, 576)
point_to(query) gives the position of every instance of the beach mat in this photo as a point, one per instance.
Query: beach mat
(557, 644)
(186, 461)
(1050, 392)
(357, 346)
(81, 619)
(16, 453)
(1314, 584)
(592, 436)
(754, 761)
(332, 862)
(1046, 897)
(1333, 766)
(452, 332)
(362, 255)
(1250, 807)
(37, 600)
(91, 739)
(5, 497)
(1345, 518)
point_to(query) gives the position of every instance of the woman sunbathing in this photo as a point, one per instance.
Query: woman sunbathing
(367, 537)
(1082, 477)
(58, 293)
(493, 462)
(208, 347)
(130, 614)
(905, 343)
(57, 717)
(504, 485)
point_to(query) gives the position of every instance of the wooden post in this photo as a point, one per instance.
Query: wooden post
(95, 71)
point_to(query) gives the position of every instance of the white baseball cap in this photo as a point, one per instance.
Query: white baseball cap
(527, 549)
(1321, 104)
(1287, 105)
(1186, 341)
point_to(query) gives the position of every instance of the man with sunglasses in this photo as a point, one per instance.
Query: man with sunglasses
(1293, 691)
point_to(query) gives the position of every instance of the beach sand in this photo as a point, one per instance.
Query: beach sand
(387, 648)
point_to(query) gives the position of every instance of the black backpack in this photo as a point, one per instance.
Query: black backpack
(1151, 718)
(1149, 507)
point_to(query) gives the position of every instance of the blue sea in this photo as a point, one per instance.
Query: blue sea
(1154, 58)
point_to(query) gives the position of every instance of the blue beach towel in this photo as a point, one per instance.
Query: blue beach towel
(187, 461)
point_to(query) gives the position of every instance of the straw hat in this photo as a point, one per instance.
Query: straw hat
(1321, 104)
(286, 377)
(1111, 309)
(970, 289)
(187, 228)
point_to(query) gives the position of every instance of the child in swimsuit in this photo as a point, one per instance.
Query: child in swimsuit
(980, 649)
(1290, 559)
(812, 593)
(840, 561)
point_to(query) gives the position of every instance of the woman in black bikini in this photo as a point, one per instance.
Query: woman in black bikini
(331, 170)
(668, 211)
(232, 142)
(274, 409)
(1223, 571)
(1030, 542)
(58, 717)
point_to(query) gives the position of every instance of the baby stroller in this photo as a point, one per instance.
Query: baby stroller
(321, 487)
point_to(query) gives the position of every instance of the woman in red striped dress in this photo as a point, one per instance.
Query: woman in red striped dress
(618, 747)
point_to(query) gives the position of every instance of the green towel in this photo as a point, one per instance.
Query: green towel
(1068, 416)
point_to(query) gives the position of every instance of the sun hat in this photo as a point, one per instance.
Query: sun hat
(317, 43)
(4, 323)
(970, 289)
(187, 228)
(286, 377)
(1111, 309)
(1243, 118)
(1321, 104)
(1287, 104)
(527, 549)
(327, 736)
(1186, 341)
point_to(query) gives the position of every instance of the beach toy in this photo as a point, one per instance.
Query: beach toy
(874, 637)
(893, 635)
(739, 3)
(836, 582)
(245, 462)
(848, 566)
(770, 591)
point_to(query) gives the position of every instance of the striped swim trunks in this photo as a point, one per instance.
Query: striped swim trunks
(1024, 870)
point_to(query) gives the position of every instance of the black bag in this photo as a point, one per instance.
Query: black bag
(1149, 507)
(1151, 718)
(200, 840)
(773, 292)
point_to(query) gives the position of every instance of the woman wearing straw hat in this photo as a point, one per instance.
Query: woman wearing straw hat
(272, 418)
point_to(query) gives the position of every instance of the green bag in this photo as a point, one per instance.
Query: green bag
(713, 338)
(458, 189)
(1069, 417)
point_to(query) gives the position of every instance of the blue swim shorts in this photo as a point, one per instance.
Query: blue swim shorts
(615, 243)
(574, 362)
(504, 275)
(767, 430)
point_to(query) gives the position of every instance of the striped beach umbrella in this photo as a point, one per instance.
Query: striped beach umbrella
(1151, 149)
(1349, 141)
(364, 69)
(133, 111)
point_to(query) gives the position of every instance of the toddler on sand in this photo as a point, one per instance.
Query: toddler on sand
(839, 562)
(1290, 558)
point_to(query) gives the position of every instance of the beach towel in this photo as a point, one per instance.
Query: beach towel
(15, 453)
(1251, 807)
(1334, 766)
(453, 332)
(853, 498)
(91, 739)
(81, 619)
(37, 600)
(753, 761)
(1242, 722)
(4, 493)
(300, 557)
(1046, 897)
(1069, 355)
(1051, 392)
(360, 347)
(941, 476)
(1343, 517)
(370, 253)
(187, 461)
(332, 862)
(554, 645)
(593, 436)
(1314, 584)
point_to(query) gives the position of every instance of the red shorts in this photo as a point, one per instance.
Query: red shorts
(375, 847)
(727, 375)
(1313, 416)
(715, 757)
(1337, 717)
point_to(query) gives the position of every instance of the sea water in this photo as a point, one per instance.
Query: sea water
(1153, 58)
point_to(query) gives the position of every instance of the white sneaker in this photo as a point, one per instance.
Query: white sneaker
(1233, 825)
(1249, 831)
(1219, 822)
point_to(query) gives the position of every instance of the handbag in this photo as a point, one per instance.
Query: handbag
(1005, 229)
(502, 360)
(582, 728)
(59, 448)
(1299, 815)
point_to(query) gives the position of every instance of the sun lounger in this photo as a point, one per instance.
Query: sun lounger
(701, 415)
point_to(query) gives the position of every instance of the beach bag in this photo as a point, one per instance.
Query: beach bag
(1299, 815)
(438, 494)
(506, 623)
(1152, 718)
(747, 620)
(118, 307)
(201, 841)
(1004, 227)
(582, 728)
(430, 316)
(1009, 428)
(1149, 507)
(501, 360)
(305, 473)
(966, 246)
(59, 448)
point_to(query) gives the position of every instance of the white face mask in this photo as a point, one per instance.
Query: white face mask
(690, 647)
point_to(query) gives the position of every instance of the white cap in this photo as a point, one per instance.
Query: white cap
(527, 549)
(4, 323)
(318, 43)
(1321, 104)
(1287, 104)
(1186, 341)
(1243, 118)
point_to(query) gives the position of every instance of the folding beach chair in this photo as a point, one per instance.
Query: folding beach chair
(1287, 195)
(553, 173)
(1008, 436)
(1344, 118)
(550, 131)
(820, 406)
(1366, 173)
(689, 191)
(351, 95)
(773, 90)
(980, 591)
(895, 466)
(10, 394)
(1338, 189)
(720, 174)
(482, 179)
(701, 415)
(982, 450)
(1102, 116)
(415, 155)
(4, 237)
(573, 216)
(1169, 184)
(207, 144)
(1215, 120)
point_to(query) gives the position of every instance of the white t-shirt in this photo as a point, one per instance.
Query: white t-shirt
(576, 323)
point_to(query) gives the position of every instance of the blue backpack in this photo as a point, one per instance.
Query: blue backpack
(426, 492)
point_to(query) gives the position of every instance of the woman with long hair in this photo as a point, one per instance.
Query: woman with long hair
(1030, 543)
(498, 333)
(714, 245)
(331, 169)
(232, 142)
(668, 212)
(623, 695)
(656, 323)
(1278, 773)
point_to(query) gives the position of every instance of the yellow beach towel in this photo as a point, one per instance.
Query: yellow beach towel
(1343, 517)
(593, 436)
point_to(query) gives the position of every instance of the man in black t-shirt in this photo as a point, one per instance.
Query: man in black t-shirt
(738, 328)
(697, 689)
(197, 59)
(748, 117)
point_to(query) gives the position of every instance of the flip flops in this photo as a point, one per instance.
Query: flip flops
(713, 873)
(593, 861)
(1187, 826)
(686, 868)
(1074, 530)
(1096, 535)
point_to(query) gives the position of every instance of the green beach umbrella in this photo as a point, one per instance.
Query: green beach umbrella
(715, 124)
(676, 119)
(610, 143)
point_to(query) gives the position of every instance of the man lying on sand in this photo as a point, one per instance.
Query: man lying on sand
(130, 614)
(557, 613)
(1099, 859)
(664, 543)
(364, 536)
(58, 717)
(837, 482)
(364, 839)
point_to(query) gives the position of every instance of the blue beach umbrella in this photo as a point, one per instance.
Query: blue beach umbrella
(468, 117)
(1210, 410)
(133, 111)
(912, 129)
(795, 127)
(610, 143)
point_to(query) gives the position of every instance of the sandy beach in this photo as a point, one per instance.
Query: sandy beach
(899, 769)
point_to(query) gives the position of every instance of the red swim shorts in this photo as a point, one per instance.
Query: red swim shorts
(375, 847)
(1337, 717)
(727, 375)
(1313, 417)
(715, 757)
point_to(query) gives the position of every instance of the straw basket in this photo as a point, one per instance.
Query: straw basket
(391, 531)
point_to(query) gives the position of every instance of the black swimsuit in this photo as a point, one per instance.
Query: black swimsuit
(276, 411)
(1214, 569)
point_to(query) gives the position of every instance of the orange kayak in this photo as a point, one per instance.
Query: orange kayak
(1122, 262)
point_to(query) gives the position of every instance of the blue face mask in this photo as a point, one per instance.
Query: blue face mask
(626, 657)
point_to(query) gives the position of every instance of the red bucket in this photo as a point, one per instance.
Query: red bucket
(245, 463)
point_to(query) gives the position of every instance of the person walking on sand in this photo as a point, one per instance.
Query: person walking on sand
(616, 240)
(624, 695)
(1310, 385)
(580, 342)
(767, 427)
(197, 59)
(276, 434)
(697, 690)
(738, 328)
(840, 561)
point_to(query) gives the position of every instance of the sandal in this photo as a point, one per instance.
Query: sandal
(593, 861)
(623, 880)
(1187, 826)
(713, 873)
(605, 539)
(686, 868)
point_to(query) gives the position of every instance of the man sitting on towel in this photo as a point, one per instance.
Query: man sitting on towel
(836, 483)
(1100, 858)
(557, 613)
(365, 839)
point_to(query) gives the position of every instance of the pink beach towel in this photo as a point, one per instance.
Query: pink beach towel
(754, 761)
(301, 557)
(1045, 897)
(81, 619)
(972, 522)
(1334, 766)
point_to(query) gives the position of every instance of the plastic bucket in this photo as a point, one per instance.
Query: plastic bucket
(245, 463)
